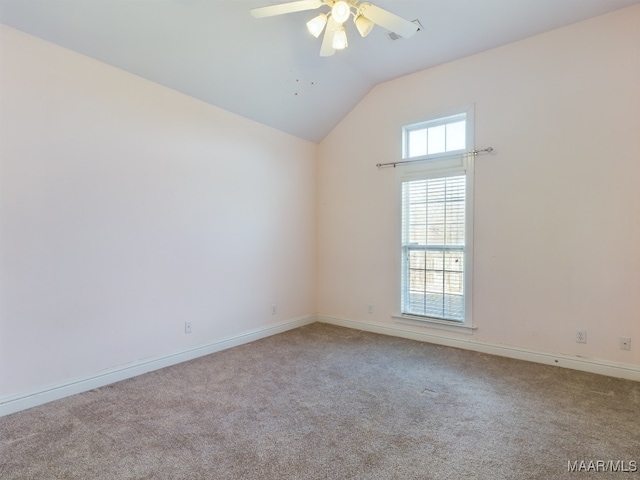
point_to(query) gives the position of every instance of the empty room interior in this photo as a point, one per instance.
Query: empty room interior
(405, 245)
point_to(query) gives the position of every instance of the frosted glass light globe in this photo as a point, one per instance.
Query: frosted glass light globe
(341, 12)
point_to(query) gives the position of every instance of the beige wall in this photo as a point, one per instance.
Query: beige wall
(127, 209)
(557, 206)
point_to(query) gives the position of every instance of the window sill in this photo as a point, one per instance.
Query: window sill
(427, 322)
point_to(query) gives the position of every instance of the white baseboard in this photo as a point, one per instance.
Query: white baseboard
(611, 369)
(22, 402)
(17, 403)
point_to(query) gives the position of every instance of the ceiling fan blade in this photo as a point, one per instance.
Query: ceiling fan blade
(326, 50)
(388, 20)
(289, 7)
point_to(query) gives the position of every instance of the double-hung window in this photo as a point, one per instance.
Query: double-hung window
(436, 221)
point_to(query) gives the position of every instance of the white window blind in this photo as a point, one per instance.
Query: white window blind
(433, 247)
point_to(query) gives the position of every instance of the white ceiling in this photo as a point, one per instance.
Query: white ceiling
(269, 69)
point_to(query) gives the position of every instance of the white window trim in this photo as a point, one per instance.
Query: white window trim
(439, 120)
(440, 324)
(437, 166)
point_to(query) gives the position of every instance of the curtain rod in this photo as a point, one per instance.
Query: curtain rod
(475, 153)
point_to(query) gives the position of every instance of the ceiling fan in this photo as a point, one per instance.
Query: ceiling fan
(365, 16)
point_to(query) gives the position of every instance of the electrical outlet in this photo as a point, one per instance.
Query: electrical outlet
(581, 336)
(274, 309)
(370, 308)
(187, 327)
(625, 343)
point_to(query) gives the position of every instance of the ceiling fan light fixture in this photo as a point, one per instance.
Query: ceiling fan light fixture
(364, 25)
(316, 25)
(332, 21)
(341, 11)
(340, 39)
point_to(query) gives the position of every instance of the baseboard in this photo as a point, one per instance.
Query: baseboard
(22, 402)
(611, 369)
(14, 404)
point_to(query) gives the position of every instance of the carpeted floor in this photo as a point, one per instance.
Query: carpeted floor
(324, 402)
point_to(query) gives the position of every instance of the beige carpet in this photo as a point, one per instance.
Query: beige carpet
(323, 402)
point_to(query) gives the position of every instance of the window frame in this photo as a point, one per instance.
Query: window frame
(447, 164)
(425, 125)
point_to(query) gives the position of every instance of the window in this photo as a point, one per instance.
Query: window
(443, 135)
(436, 221)
(433, 247)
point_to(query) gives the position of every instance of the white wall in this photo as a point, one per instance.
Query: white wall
(127, 209)
(557, 206)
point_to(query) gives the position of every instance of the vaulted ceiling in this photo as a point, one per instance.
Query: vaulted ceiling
(269, 69)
